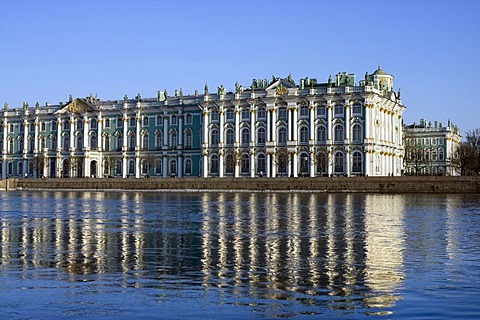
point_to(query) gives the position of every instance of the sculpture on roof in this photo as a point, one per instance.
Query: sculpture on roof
(125, 97)
(237, 87)
(70, 98)
(221, 90)
(206, 89)
(5, 106)
(330, 80)
(165, 94)
(25, 105)
(290, 79)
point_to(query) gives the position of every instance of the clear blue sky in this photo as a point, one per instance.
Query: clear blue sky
(50, 49)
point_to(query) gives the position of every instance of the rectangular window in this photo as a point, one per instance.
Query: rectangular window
(339, 109)
(321, 111)
(173, 120)
(357, 109)
(107, 123)
(261, 114)
(245, 114)
(230, 115)
(188, 119)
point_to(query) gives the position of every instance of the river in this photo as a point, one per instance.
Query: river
(123, 255)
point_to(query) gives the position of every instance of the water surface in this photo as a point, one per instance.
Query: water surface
(239, 256)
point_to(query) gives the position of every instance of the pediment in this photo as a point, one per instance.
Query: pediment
(281, 86)
(78, 106)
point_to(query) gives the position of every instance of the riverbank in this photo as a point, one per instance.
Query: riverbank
(420, 184)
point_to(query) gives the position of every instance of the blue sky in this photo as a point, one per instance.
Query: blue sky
(50, 49)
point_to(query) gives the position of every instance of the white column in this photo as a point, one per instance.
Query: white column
(252, 125)
(179, 166)
(165, 166)
(25, 136)
(312, 124)
(125, 146)
(312, 163)
(290, 124)
(205, 165)
(35, 148)
(347, 123)
(274, 165)
(252, 164)
(347, 162)
(86, 140)
(4, 151)
(269, 124)
(165, 130)
(295, 164)
(137, 145)
(72, 133)
(220, 164)
(59, 136)
(237, 127)
(274, 126)
(329, 122)
(205, 143)
(295, 124)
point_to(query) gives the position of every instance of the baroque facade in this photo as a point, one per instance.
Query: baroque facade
(429, 148)
(272, 128)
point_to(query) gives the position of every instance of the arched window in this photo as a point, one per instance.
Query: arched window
(304, 163)
(303, 135)
(31, 144)
(188, 120)
(145, 121)
(173, 166)
(20, 168)
(145, 166)
(245, 163)
(214, 138)
(133, 122)
(173, 139)
(79, 124)
(145, 142)
(93, 124)
(106, 142)
(131, 141)
(357, 133)
(158, 140)
(339, 159)
(107, 122)
(357, 164)
(66, 141)
(158, 166)
(118, 167)
(118, 142)
(66, 124)
(131, 167)
(188, 139)
(214, 164)
(93, 141)
(441, 154)
(322, 162)
(261, 164)
(321, 134)
(10, 168)
(230, 135)
(261, 135)
(79, 142)
(159, 120)
(188, 166)
(282, 135)
(119, 122)
(53, 143)
(245, 136)
(339, 133)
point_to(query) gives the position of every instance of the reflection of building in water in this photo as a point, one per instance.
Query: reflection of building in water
(385, 245)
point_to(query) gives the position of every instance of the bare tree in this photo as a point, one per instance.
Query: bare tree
(465, 159)
(282, 160)
(415, 156)
(473, 139)
(231, 160)
(147, 160)
(38, 164)
(109, 164)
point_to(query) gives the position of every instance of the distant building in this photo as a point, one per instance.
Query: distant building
(272, 128)
(429, 148)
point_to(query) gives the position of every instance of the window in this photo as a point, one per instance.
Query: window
(282, 113)
(357, 162)
(53, 143)
(118, 142)
(339, 110)
(441, 141)
(42, 126)
(434, 155)
(214, 164)
(32, 127)
(10, 127)
(230, 135)
(145, 121)
(321, 134)
(119, 122)
(173, 120)
(173, 166)
(245, 136)
(229, 163)
(230, 115)
(158, 166)
(304, 135)
(94, 124)
(339, 162)
(261, 114)
(321, 111)
(133, 122)
(66, 142)
(158, 140)
(145, 142)
(79, 124)
(131, 141)
(31, 145)
(145, 167)
(245, 163)
(304, 111)
(42, 143)
(173, 138)
(118, 167)
(188, 120)
(93, 141)
(282, 135)
(131, 167)
(441, 154)
(357, 109)
(158, 122)
(245, 114)
(106, 142)
(188, 166)
(107, 123)
(261, 136)
(356, 133)
(260, 163)
(321, 162)
(338, 131)
(79, 142)
(214, 138)
(188, 139)
(54, 125)
(66, 125)
(214, 116)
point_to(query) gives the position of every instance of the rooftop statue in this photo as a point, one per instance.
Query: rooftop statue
(125, 97)
(221, 90)
(5, 106)
(165, 94)
(25, 105)
(206, 89)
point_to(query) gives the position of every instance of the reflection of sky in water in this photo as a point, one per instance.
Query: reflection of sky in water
(277, 254)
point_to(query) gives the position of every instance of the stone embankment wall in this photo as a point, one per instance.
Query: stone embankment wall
(423, 184)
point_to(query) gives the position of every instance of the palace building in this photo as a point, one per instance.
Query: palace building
(429, 148)
(272, 128)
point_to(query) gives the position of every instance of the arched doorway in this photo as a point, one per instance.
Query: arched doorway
(93, 169)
